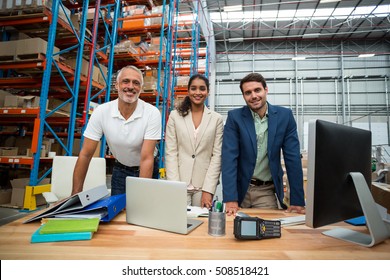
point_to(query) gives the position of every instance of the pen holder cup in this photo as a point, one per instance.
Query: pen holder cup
(217, 223)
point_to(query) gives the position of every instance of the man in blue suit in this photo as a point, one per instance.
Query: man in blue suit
(253, 138)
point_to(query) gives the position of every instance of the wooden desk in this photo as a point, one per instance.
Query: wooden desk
(119, 240)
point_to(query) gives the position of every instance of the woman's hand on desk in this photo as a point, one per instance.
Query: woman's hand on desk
(207, 200)
(231, 208)
(297, 209)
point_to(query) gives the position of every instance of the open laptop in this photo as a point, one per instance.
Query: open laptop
(158, 204)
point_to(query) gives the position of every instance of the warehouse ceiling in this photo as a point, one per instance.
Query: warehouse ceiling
(271, 20)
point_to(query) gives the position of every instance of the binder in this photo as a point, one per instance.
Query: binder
(69, 225)
(111, 206)
(72, 203)
(55, 237)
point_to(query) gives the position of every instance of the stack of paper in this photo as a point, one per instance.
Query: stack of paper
(65, 230)
(292, 221)
(196, 211)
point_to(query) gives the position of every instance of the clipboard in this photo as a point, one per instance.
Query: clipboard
(72, 203)
(111, 206)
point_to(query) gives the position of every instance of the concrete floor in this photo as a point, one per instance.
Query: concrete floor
(8, 215)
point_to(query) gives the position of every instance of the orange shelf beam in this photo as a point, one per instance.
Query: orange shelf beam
(22, 160)
(23, 64)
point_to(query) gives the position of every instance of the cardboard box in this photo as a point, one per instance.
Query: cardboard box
(101, 76)
(150, 83)
(8, 151)
(7, 50)
(15, 101)
(11, 128)
(77, 148)
(31, 47)
(75, 19)
(381, 194)
(134, 10)
(135, 39)
(54, 103)
(31, 101)
(5, 196)
(182, 81)
(95, 74)
(91, 13)
(84, 65)
(133, 23)
(3, 94)
(57, 148)
(23, 142)
(19, 189)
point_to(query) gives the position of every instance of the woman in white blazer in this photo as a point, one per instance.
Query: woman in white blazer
(193, 142)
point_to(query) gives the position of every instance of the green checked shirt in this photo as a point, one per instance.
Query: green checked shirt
(262, 171)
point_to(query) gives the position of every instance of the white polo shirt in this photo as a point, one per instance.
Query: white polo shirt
(125, 137)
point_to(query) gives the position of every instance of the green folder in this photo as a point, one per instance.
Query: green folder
(70, 225)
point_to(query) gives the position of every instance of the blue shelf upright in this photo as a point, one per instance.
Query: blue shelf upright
(108, 25)
(164, 93)
(73, 89)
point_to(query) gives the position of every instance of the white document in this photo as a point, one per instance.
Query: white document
(196, 211)
(292, 221)
(97, 213)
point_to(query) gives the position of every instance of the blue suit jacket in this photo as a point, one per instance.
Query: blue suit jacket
(239, 152)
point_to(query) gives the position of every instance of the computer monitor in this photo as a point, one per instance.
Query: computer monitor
(338, 179)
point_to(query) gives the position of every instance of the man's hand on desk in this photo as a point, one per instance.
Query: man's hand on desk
(297, 209)
(231, 208)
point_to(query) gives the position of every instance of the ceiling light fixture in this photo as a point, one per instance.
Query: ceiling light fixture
(232, 40)
(329, 1)
(311, 35)
(366, 55)
(298, 58)
(234, 8)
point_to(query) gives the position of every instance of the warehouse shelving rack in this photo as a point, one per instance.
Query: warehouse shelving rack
(188, 51)
(106, 30)
(64, 81)
(109, 33)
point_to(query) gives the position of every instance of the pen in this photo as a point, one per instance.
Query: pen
(218, 206)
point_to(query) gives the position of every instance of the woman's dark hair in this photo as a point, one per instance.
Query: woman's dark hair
(253, 77)
(185, 105)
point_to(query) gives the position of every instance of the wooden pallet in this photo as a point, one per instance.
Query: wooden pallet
(20, 11)
(7, 58)
(31, 56)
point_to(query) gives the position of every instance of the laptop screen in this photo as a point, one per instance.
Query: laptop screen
(157, 203)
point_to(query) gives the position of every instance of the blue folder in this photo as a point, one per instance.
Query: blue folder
(358, 221)
(110, 206)
(37, 237)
